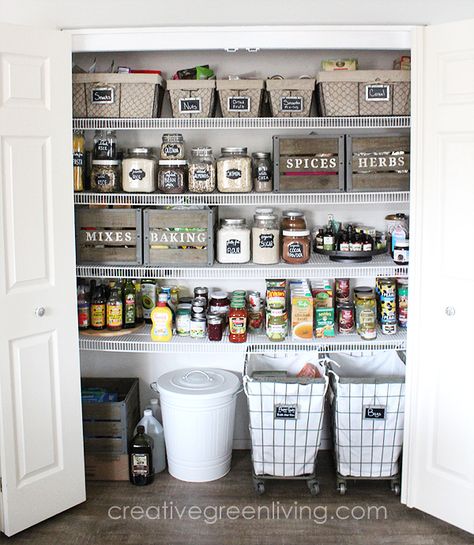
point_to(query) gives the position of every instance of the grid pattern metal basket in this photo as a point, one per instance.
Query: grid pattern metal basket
(241, 98)
(192, 98)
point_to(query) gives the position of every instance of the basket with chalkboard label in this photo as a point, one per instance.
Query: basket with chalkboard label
(192, 98)
(363, 93)
(290, 97)
(240, 97)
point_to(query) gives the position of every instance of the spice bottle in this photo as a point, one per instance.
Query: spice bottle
(78, 160)
(262, 171)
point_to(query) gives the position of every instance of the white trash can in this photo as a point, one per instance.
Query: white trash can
(198, 407)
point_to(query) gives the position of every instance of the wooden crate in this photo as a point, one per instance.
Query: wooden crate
(378, 163)
(108, 426)
(179, 236)
(109, 236)
(308, 163)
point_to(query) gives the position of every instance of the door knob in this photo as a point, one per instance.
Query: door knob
(450, 311)
(40, 312)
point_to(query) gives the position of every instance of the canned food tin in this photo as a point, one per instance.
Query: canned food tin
(201, 291)
(402, 289)
(387, 288)
(183, 322)
(343, 290)
(198, 327)
(254, 299)
(345, 318)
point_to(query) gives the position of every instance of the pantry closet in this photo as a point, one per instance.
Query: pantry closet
(42, 456)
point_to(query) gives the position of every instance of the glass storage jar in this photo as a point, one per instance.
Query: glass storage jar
(262, 171)
(293, 219)
(265, 239)
(277, 325)
(105, 176)
(139, 171)
(202, 171)
(215, 327)
(296, 247)
(105, 145)
(234, 171)
(219, 304)
(172, 176)
(365, 313)
(233, 241)
(172, 147)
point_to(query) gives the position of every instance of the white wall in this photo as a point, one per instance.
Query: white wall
(116, 13)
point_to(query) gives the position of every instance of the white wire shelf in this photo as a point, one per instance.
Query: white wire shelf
(319, 266)
(140, 341)
(382, 122)
(241, 199)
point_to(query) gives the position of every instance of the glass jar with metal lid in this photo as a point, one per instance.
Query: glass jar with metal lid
(139, 171)
(234, 171)
(265, 239)
(262, 171)
(293, 220)
(172, 147)
(105, 176)
(277, 325)
(202, 171)
(172, 176)
(233, 241)
(366, 313)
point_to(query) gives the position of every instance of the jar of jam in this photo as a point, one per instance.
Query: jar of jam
(293, 220)
(296, 246)
(215, 327)
(237, 322)
(219, 304)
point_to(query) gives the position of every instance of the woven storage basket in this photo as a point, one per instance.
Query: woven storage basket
(241, 98)
(192, 98)
(290, 97)
(364, 93)
(117, 95)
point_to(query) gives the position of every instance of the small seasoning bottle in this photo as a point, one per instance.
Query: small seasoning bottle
(78, 160)
(296, 247)
(262, 172)
(215, 327)
(237, 321)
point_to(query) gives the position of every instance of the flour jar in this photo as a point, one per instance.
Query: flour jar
(233, 241)
(265, 239)
(198, 407)
(139, 171)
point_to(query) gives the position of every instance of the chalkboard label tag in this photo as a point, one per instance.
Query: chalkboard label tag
(102, 95)
(291, 104)
(285, 412)
(374, 413)
(377, 92)
(233, 246)
(190, 105)
(238, 104)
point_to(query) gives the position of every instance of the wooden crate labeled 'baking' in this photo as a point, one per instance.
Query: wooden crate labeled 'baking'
(109, 236)
(308, 163)
(179, 236)
(378, 163)
(108, 426)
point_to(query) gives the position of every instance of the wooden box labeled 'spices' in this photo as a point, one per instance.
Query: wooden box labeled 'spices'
(308, 163)
(378, 163)
(179, 236)
(108, 426)
(109, 236)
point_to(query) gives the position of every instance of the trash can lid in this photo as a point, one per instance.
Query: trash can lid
(199, 382)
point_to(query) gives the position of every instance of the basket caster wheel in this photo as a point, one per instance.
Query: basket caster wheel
(259, 487)
(313, 486)
(396, 489)
(341, 488)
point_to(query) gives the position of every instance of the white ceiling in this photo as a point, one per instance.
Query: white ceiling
(121, 13)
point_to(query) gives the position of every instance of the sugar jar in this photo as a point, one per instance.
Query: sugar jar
(233, 242)
(139, 171)
(265, 239)
(234, 171)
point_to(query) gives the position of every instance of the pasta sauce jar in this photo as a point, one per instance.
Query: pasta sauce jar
(296, 247)
(237, 322)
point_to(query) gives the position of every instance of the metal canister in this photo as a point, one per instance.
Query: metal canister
(402, 292)
(183, 322)
(343, 290)
(201, 291)
(254, 299)
(199, 303)
(345, 318)
(198, 327)
(387, 288)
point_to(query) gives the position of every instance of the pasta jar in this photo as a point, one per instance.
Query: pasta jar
(139, 171)
(234, 171)
(105, 176)
(202, 171)
(262, 171)
(233, 242)
(172, 176)
(366, 314)
(265, 239)
(172, 147)
(296, 247)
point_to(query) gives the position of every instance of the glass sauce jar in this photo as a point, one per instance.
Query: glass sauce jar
(237, 322)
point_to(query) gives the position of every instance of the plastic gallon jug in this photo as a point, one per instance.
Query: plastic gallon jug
(155, 430)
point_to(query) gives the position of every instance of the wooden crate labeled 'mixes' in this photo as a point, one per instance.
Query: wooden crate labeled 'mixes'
(308, 163)
(378, 163)
(109, 236)
(179, 236)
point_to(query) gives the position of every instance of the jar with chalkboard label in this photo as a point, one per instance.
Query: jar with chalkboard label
(139, 171)
(265, 239)
(105, 145)
(296, 247)
(234, 171)
(105, 176)
(262, 172)
(233, 242)
(172, 176)
(172, 147)
(202, 171)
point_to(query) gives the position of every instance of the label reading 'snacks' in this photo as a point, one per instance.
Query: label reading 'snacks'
(102, 95)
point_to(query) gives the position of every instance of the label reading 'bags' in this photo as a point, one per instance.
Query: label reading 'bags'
(238, 104)
(190, 105)
(287, 412)
(374, 413)
(233, 246)
(377, 92)
(102, 95)
(291, 104)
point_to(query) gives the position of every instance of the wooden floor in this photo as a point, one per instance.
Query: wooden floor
(89, 523)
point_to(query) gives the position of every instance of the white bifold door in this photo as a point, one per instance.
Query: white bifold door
(439, 461)
(41, 452)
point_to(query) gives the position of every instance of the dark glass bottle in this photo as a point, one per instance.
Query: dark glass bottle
(129, 305)
(83, 307)
(329, 238)
(367, 243)
(98, 304)
(140, 457)
(343, 242)
(319, 242)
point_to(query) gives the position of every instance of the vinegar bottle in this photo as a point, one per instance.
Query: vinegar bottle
(140, 456)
